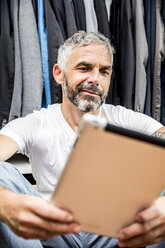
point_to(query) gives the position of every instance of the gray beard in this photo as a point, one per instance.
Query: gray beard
(85, 103)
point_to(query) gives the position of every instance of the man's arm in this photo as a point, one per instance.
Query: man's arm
(160, 133)
(7, 147)
(149, 226)
(30, 216)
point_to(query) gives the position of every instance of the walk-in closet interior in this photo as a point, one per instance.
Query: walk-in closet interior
(31, 32)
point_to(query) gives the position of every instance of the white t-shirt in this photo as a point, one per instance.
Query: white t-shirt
(46, 138)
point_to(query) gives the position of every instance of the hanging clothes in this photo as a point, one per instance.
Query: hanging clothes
(31, 59)
(71, 27)
(136, 83)
(57, 29)
(159, 57)
(121, 30)
(16, 104)
(6, 60)
(79, 12)
(55, 39)
(65, 18)
(141, 55)
(90, 15)
(150, 27)
(108, 6)
(42, 31)
(35, 8)
(162, 119)
(102, 17)
(58, 9)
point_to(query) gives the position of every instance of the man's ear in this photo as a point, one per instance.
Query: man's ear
(57, 74)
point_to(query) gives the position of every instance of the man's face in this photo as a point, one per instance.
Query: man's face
(87, 78)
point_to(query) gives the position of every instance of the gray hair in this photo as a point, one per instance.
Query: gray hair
(81, 38)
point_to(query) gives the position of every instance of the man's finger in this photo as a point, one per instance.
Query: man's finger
(133, 230)
(155, 211)
(148, 214)
(144, 239)
(30, 220)
(46, 210)
(137, 229)
(41, 233)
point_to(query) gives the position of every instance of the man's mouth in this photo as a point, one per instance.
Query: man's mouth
(90, 92)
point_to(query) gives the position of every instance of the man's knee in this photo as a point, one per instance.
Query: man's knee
(9, 176)
(7, 169)
(13, 180)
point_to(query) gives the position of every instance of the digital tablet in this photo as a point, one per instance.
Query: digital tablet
(111, 174)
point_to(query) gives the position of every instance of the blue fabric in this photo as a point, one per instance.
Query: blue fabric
(42, 31)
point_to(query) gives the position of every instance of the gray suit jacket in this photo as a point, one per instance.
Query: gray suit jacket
(141, 52)
(16, 103)
(31, 59)
(159, 56)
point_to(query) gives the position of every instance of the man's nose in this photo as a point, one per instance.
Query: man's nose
(94, 77)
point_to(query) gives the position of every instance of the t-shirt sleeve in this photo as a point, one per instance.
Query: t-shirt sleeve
(127, 118)
(140, 122)
(24, 131)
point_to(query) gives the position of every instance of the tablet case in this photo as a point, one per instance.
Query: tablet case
(110, 175)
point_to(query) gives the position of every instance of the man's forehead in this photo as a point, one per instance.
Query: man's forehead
(90, 51)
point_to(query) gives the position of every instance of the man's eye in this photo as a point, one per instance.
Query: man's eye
(105, 72)
(83, 69)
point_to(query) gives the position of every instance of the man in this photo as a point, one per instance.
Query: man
(84, 70)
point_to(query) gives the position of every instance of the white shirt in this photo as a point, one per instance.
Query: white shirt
(46, 138)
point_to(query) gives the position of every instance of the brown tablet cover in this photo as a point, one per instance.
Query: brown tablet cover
(109, 177)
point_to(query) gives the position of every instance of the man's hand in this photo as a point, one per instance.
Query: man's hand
(32, 217)
(149, 227)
